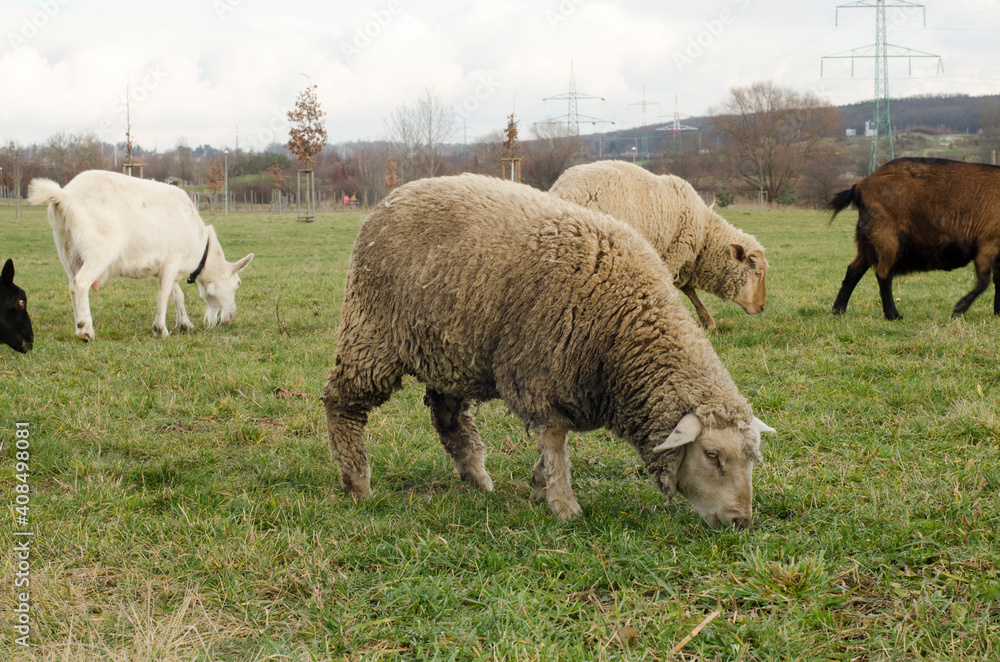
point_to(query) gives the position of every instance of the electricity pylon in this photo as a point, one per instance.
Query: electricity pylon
(572, 118)
(645, 127)
(881, 51)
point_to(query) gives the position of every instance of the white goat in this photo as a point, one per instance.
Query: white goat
(106, 224)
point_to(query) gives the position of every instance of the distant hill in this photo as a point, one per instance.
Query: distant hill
(947, 114)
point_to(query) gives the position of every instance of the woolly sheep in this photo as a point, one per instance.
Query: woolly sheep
(701, 249)
(107, 224)
(483, 288)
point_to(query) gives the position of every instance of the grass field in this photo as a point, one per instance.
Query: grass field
(183, 509)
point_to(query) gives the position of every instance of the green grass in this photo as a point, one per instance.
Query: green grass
(182, 510)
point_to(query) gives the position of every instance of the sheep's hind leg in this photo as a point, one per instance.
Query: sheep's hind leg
(347, 406)
(551, 474)
(458, 434)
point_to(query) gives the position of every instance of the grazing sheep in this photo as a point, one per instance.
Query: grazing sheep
(483, 288)
(924, 215)
(701, 249)
(106, 224)
(15, 325)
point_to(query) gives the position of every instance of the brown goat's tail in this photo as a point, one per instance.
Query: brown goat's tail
(843, 200)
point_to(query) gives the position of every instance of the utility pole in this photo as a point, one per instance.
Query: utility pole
(881, 51)
(676, 127)
(645, 138)
(572, 118)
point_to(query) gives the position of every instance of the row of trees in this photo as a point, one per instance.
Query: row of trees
(764, 142)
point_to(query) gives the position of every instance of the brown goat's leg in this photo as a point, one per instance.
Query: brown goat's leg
(699, 307)
(982, 282)
(996, 286)
(855, 270)
(888, 302)
(459, 436)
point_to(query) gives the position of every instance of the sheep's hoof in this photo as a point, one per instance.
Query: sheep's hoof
(160, 331)
(566, 510)
(85, 333)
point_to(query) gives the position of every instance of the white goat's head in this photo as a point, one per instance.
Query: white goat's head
(716, 471)
(218, 282)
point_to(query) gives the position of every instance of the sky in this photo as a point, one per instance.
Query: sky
(207, 71)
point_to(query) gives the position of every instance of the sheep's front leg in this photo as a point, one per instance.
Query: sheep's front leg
(177, 296)
(551, 475)
(458, 434)
(706, 317)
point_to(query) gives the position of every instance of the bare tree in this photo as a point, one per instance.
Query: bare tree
(12, 159)
(771, 132)
(66, 155)
(553, 150)
(391, 180)
(418, 132)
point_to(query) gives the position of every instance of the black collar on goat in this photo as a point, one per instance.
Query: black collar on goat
(201, 265)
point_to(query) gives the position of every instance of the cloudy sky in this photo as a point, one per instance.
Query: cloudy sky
(197, 70)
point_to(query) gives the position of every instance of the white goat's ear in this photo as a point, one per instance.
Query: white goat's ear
(687, 430)
(210, 289)
(761, 426)
(241, 265)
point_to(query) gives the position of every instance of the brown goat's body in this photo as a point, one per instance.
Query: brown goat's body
(924, 215)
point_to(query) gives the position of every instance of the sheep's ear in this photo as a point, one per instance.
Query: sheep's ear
(241, 265)
(737, 252)
(7, 278)
(687, 430)
(761, 426)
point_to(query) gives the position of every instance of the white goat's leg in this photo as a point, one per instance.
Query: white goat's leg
(163, 295)
(79, 291)
(555, 465)
(177, 296)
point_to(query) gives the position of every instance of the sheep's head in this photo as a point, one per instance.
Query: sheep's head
(747, 270)
(716, 469)
(15, 325)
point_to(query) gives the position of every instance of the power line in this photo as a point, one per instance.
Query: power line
(881, 51)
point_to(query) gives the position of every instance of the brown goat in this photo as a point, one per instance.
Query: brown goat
(924, 215)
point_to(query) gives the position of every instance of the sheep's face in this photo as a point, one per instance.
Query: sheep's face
(716, 474)
(218, 289)
(750, 269)
(15, 325)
